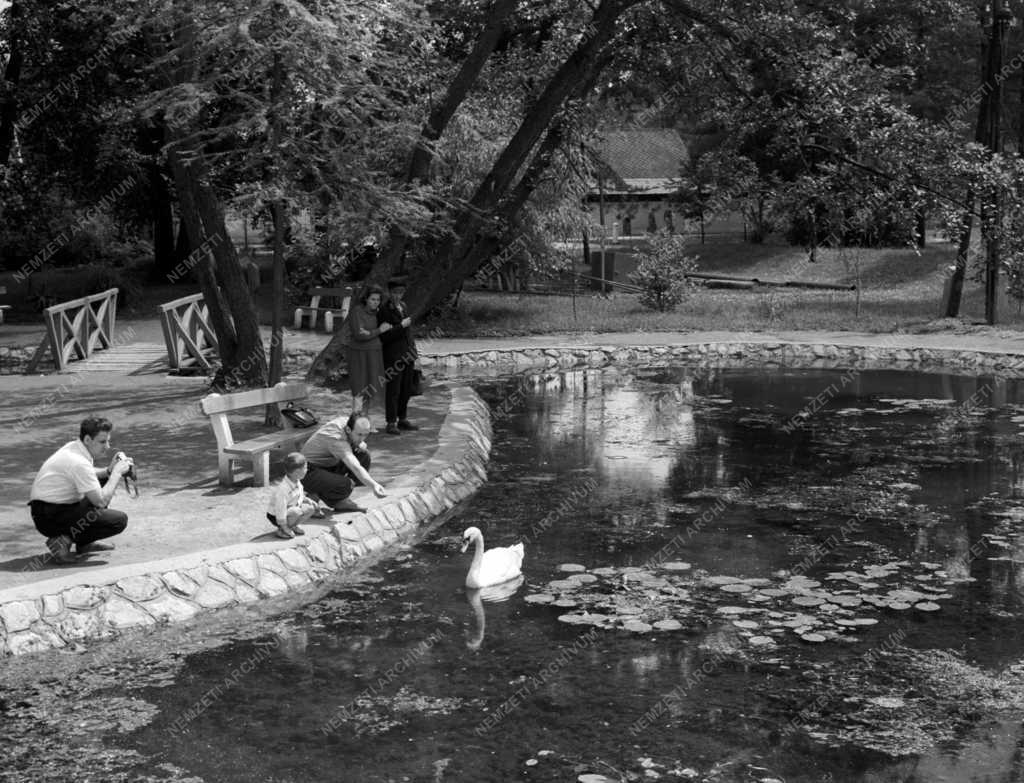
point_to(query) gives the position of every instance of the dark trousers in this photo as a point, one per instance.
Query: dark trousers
(332, 485)
(397, 394)
(82, 522)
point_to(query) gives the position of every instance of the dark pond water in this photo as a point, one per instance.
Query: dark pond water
(792, 576)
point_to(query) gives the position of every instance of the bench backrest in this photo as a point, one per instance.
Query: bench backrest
(217, 406)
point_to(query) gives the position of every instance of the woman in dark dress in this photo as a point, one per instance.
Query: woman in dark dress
(365, 360)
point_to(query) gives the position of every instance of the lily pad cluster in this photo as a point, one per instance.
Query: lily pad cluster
(674, 596)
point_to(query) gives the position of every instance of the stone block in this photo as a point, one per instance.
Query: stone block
(179, 583)
(245, 594)
(19, 615)
(395, 516)
(78, 624)
(25, 642)
(170, 608)
(271, 584)
(52, 639)
(408, 512)
(297, 579)
(199, 574)
(349, 554)
(82, 597)
(317, 549)
(139, 588)
(52, 605)
(214, 594)
(378, 522)
(244, 567)
(272, 564)
(295, 559)
(119, 613)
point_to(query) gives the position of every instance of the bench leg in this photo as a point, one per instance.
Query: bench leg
(261, 469)
(298, 318)
(329, 322)
(224, 470)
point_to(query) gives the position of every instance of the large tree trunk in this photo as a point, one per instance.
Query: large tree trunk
(163, 224)
(12, 76)
(956, 283)
(437, 121)
(221, 277)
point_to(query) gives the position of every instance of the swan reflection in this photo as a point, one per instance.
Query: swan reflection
(492, 594)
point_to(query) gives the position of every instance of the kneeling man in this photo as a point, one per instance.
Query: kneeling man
(70, 495)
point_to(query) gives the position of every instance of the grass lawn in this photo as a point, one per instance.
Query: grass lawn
(899, 290)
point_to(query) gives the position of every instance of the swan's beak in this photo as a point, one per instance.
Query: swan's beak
(465, 545)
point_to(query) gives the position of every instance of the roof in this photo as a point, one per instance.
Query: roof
(642, 153)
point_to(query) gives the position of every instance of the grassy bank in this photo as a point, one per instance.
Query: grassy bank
(898, 290)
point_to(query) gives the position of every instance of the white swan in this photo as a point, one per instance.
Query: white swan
(493, 566)
(491, 595)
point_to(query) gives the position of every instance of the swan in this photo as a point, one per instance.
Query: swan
(492, 595)
(493, 566)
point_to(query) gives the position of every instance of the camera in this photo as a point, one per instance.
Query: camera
(130, 473)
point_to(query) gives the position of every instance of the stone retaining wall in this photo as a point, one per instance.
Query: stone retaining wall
(202, 582)
(754, 353)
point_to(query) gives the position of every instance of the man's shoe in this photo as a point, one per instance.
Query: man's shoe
(392, 429)
(405, 424)
(95, 546)
(60, 550)
(348, 505)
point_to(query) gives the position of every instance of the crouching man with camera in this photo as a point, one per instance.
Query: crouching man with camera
(70, 495)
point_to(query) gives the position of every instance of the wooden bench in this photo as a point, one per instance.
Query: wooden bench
(255, 450)
(342, 295)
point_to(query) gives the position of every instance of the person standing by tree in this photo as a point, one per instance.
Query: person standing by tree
(365, 357)
(399, 349)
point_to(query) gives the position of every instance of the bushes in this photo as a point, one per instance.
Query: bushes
(661, 272)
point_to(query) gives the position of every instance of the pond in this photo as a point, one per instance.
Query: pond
(730, 575)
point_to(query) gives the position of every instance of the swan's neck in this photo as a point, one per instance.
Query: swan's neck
(478, 553)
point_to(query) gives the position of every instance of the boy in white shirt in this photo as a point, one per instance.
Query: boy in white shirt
(288, 506)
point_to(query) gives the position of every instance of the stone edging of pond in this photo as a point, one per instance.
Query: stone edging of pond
(767, 353)
(180, 588)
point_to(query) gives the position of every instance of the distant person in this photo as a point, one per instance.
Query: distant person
(399, 348)
(338, 459)
(288, 506)
(365, 360)
(70, 495)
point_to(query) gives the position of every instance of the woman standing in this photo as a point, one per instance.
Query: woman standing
(364, 356)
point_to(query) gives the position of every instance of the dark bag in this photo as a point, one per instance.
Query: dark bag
(417, 382)
(300, 418)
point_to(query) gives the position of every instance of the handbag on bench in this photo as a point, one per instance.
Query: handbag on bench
(301, 418)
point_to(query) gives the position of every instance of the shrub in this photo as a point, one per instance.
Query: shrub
(661, 272)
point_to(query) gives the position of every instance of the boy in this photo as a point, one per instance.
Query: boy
(288, 506)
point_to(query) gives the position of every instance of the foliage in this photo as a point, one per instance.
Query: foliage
(661, 272)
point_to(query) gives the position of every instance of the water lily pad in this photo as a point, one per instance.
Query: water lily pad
(668, 625)
(808, 600)
(636, 626)
(572, 567)
(761, 641)
(564, 603)
(720, 579)
(773, 592)
(676, 565)
(748, 625)
(736, 587)
(573, 618)
(563, 584)
(927, 606)
(813, 637)
(605, 571)
(899, 606)
(585, 578)
(539, 598)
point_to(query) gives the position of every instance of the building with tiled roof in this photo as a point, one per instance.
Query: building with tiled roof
(636, 174)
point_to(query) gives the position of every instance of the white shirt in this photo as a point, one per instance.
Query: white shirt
(288, 494)
(66, 476)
